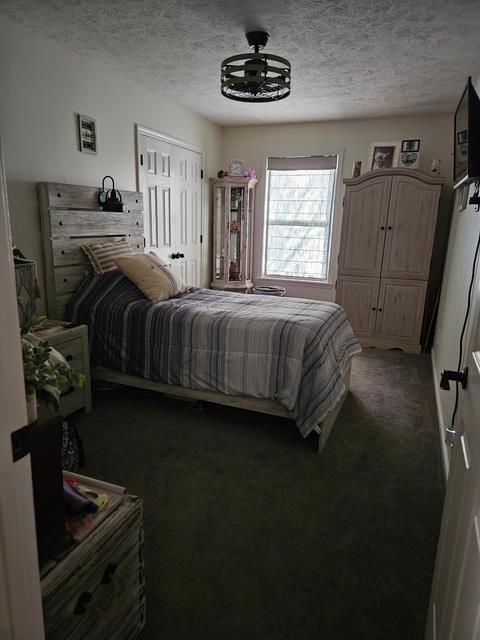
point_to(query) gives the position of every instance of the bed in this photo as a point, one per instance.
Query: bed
(283, 356)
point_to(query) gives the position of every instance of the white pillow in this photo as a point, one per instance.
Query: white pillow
(152, 276)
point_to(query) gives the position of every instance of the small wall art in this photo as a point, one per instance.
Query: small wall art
(87, 134)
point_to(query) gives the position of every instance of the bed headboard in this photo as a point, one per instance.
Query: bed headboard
(70, 216)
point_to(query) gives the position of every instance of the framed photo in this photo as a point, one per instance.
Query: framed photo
(409, 160)
(236, 168)
(411, 145)
(383, 155)
(87, 134)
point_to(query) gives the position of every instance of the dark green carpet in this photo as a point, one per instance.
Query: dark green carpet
(249, 534)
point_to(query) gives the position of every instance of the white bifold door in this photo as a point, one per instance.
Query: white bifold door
(170, 177)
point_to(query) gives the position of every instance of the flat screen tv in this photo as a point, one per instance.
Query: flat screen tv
(466, 162)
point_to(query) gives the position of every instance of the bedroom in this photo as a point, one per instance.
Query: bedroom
(241, 495)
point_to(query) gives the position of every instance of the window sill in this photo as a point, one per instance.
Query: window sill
(297, 282)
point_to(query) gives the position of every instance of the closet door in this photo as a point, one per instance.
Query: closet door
(412, 217)
(358, 296)
(170, 178)
(157, 187)
(400, 312)
(186, 221)
(363, 227)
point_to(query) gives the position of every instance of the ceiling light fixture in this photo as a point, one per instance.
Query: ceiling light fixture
(256, 77)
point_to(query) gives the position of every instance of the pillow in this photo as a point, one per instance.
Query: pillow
(102, 255)
(152, 276)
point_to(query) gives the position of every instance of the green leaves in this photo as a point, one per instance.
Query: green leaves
(47, 375)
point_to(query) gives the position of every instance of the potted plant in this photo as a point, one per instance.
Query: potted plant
(46, 374)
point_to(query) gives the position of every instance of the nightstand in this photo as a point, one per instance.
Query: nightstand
(72, 343)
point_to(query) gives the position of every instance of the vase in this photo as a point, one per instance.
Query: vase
(32, 407)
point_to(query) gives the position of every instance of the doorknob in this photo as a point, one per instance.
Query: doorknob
(175, 256)
(451, 434)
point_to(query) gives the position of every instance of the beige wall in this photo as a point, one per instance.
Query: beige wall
(352, 138)
(463, 239)
(42, 86)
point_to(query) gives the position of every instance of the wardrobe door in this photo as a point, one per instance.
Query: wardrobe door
(412, 217)
(400, 312)
(358, 296)
(363, 227)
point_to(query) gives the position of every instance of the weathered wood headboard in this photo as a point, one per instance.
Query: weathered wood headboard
(71, 216)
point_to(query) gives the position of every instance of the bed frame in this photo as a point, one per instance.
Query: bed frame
(70, 217)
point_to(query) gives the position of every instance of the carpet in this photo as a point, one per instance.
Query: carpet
(250, 534)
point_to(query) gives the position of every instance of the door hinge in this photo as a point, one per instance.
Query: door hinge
(343, 201)
(21, 442)
(144, 242)
(141, 159)
(201, 174)
(336, 283)
(201, 238)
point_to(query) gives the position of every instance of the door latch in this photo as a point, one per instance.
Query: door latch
(455, 376)
(451, 434)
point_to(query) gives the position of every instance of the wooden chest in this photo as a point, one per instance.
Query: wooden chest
(98, 590)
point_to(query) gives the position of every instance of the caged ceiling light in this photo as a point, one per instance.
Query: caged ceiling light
(256, 77)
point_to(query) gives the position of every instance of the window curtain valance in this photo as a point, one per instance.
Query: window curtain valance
(302, 163)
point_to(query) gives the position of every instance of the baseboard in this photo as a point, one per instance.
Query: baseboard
(441, 420)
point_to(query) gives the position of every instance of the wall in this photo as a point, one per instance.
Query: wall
(462, 242)
(352, 138)
(42, 86)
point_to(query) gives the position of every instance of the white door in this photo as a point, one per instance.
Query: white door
(170, 177)
(20, 598)
(454, 612)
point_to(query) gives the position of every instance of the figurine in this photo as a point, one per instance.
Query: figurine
(234, 271)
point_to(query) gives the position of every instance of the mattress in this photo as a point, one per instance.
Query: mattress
(289, 350)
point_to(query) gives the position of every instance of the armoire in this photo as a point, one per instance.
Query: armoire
(384, 264)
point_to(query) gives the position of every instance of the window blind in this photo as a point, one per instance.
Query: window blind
(299, 206)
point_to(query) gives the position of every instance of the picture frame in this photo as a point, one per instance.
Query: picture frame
(411, 145)
(236, 167)
(409, 159)
(383, 155)
(461, 197)
(87, 134)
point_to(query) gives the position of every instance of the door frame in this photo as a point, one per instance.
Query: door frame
(142, 130)
(21, 616)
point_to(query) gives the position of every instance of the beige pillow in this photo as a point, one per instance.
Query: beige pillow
(152, 276)
(102, 255)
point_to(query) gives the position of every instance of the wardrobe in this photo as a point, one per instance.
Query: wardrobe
(388, 232)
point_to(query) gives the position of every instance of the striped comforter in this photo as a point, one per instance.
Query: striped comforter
(290, 350)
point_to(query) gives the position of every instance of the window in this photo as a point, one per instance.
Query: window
(299, 207)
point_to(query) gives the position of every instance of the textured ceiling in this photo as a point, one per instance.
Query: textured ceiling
(349, 58)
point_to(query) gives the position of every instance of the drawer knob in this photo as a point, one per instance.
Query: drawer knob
(68, 357)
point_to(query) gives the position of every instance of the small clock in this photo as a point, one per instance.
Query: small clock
(236, 168)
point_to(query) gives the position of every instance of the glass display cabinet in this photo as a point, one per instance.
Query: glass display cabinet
(233, 204)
